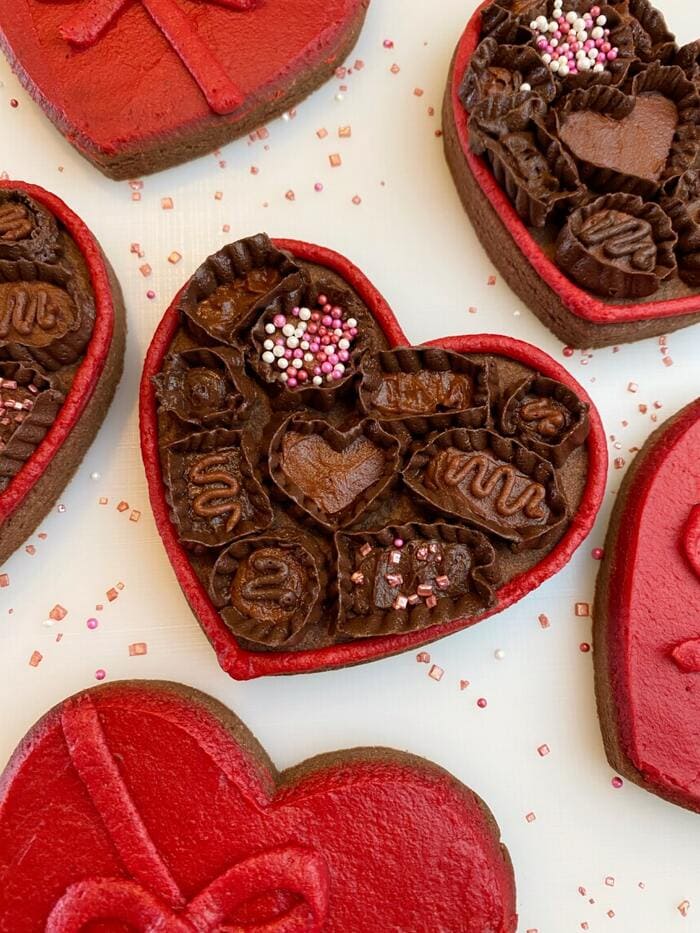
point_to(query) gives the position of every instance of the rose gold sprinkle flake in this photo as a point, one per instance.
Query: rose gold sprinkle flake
(424, 589)
(322, 133)
(582, 891)
(442, 582)
(263, 133)
(123, 506)
(103, 500)
(471, 309)
(530, 817)
(394, 69)
(290, 196)
(111, 594)
(619, 462)
(582, 610)
(335, 160)
(543, 620)
(58, 613)
(136, 185)
(641, 885)
(413, 599)
(145, 270)
(683, 908)
(4, 580)
(340, 72)
(344, 132)
(359, 65)
(632, 387)
(135, 515)
(668, 361)
(435, 672)
(393, 579)
(99, 607)
(120, 586)
(136, 250)
(218, 195)
(357, 199)
(532, 930)
(431, 602)
(42, 536)
(226, 228)
(611, 914)
(31, 550)
(365, 549)
(137, 649)
(543, 751)
(431, 111)
(174, 258)
(423, 657)
(59, 637)
(254, 170)
(418, 91)
(463, 684)
(135, 195)
(584, 925)
(358, 578)
(610, 881)
(491, 280)
(167, 204)
(36, 659)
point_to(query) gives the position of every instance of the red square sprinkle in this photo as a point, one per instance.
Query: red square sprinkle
(335, 160)
(322, 133)
(137, 649)
(112, 594)
(36, 659)
(4, 580)
(543, 750)
(167, 204)
(145, 270)
(423, 657)
(123, 506)
(436, 672)
(58, 613)
(174, 258)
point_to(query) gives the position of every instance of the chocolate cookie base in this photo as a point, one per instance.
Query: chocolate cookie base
(608, 708)
(203, 137)
(519, 273)
(44, 493)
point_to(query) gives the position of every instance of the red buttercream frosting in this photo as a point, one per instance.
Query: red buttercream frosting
(577, 301)
(150, 806)
(653, 612)
(170, 64)
(90, 369)
(242, 664)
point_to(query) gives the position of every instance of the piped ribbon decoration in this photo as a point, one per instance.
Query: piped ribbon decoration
(86, 27)
(150, 900)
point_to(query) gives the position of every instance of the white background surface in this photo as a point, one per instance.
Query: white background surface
(411, 237)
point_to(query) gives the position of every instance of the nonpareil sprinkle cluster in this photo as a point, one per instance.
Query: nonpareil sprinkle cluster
(572, 43)
(309, 346)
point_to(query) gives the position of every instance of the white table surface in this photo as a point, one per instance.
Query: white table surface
(632, 853)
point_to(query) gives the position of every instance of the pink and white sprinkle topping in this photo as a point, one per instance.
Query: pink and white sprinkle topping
(573, 43)
(309, 347)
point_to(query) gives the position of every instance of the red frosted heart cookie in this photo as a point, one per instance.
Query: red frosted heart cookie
(354, 497)
(572, 133)
(150, 805)
(62, 334)
(647, 617)
(188, 75)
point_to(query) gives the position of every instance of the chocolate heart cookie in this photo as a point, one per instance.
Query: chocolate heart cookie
(369, 496)
(62, 336)
(572, 131)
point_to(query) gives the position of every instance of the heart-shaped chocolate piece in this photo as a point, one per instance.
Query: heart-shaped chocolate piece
(647, 617)
(62, 336)
(358, 559)
(524, 161)
(113, 775)
(217, 69)
(333, 475)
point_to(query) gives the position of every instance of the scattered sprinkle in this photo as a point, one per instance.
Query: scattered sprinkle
(436, 672)
(582, 610)
(36, 659)
(58, 613)
(137, 649)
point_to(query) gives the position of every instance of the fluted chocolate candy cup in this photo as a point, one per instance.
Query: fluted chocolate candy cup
(433, 596)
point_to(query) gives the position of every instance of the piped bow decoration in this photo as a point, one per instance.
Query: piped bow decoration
(86, 27)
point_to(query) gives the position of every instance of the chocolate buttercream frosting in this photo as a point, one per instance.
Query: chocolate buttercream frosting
(313, 515)
(626, 120)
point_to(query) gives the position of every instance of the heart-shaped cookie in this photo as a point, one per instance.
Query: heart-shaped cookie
(540, 138)
(95, 801)
(62, 332)
(217, 69)
(647, 617)
(388, 556)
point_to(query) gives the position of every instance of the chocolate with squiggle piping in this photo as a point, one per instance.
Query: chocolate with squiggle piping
(226, 291)
(426, 389)
(539, 176)
(618, 246)
(652, 38)
(688, 58)
(214, 494)
(268, 587)
(545, 416)
(409, 577)
(27, 230)
(682, 204)
(205, 386)
(492, 482)
(45, 316)
(29, 403)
